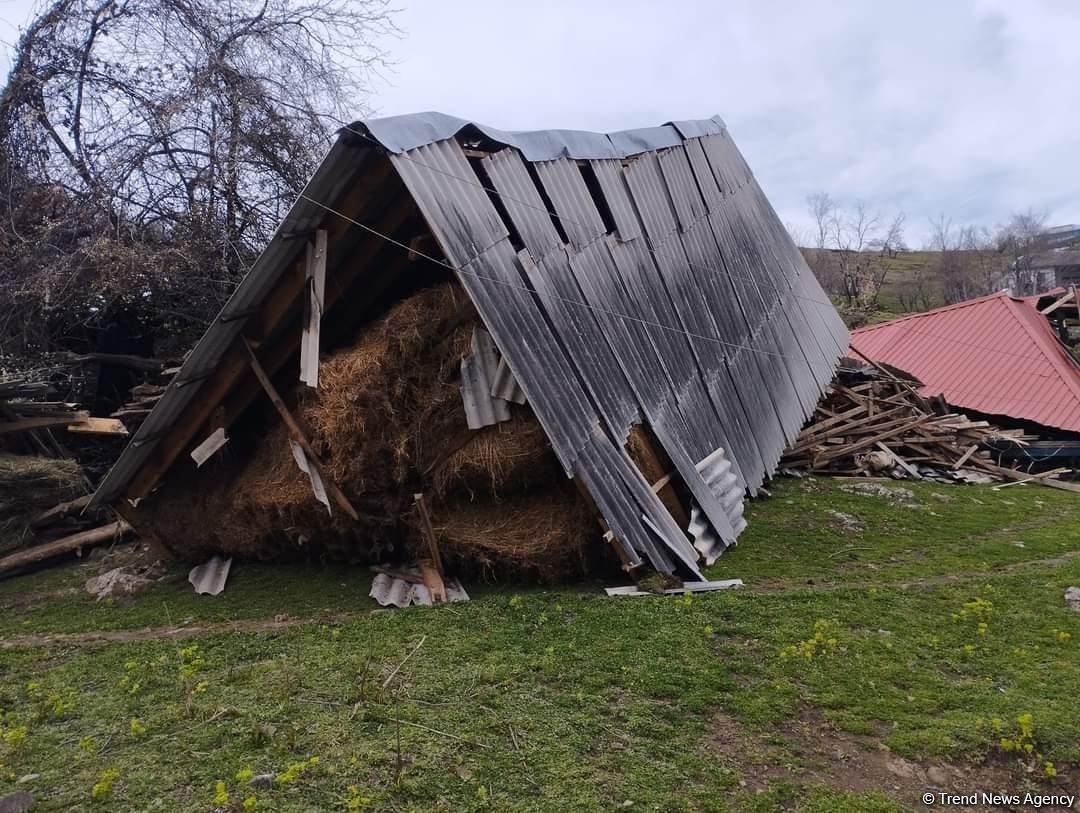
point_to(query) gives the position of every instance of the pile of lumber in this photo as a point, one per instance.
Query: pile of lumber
(144, 397)
(28, 404)
(874, 423)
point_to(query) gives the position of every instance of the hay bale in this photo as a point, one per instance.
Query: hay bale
(510, 457)
(535, 537)
(29, 485)
(388, 421)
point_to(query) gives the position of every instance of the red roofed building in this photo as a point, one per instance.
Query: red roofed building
(996, 355)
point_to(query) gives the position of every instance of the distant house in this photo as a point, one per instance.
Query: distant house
(1066, 235)
(1058, 268)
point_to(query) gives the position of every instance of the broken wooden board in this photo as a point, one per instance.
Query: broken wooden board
(98, 426)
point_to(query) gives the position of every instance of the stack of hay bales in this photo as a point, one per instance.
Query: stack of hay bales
(387, 421)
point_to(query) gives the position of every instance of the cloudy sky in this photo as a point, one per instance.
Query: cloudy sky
(959, 107)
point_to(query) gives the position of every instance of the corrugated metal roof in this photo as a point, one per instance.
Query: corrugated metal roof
(996, 355)
(689, 315)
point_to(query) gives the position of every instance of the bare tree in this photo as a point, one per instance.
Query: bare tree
(149, 147)
(1020, 239)
(851, 236)
(823, 210)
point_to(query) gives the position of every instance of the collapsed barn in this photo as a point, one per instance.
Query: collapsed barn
(507, 344)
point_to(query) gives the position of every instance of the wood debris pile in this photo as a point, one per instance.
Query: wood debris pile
(873, 422)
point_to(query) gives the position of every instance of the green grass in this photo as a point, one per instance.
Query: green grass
(532, 699)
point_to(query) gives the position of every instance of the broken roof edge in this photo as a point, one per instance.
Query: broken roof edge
(400, 134)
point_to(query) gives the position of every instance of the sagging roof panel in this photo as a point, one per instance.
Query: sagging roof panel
(677, 300)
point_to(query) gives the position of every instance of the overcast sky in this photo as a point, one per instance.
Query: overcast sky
(924, 106)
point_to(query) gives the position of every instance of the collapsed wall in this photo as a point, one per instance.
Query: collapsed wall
(388, 422)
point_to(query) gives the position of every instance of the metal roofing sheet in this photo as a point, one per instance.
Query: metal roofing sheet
(995, 354)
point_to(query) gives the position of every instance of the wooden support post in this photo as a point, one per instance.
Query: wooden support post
(428, 528)
(298, 434)
(431, 569)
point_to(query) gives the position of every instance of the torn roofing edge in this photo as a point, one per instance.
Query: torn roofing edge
(399, 134)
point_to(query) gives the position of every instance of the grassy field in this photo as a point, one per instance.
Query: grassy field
(902, 270)
(881, 647)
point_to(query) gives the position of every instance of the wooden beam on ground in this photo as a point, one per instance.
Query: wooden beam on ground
(64, 545)
(141, 363)
(298, 434)
(1012, 474)
(964, 457)
(914, 472)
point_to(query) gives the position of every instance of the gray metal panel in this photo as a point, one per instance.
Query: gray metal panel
(573, 204)
(452, 199)
(675, 167)
(650, 197)
(477, 373)
(511, 180)
(613, 187)
(505, 386)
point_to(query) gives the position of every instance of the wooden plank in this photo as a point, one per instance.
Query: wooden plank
(1063, 300)
(298, 434)
(29, 424)
(964, 457)
(1012, 474)
(899, 461)
(98, 426)
(427, 528)
(59, 547)
(870, 441)
(315, 301)
(146, 365)
(205, 450)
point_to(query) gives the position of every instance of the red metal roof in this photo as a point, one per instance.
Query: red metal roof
(995, 354)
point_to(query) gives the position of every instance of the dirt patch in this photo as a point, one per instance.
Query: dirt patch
(806, 750)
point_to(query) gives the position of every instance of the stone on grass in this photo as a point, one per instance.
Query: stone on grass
(1072, 598)
(116, 582)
